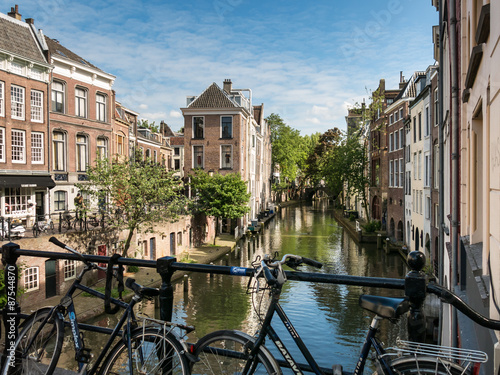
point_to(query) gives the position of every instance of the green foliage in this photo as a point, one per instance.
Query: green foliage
(352, 217)
(101, 289)
(3, 287)
(134, 195)
(146, 125)
(134, 269)
(372, 226)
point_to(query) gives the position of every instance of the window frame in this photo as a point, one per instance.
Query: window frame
(22, 147)
(60, 143)
(36, 147)
(18, 106)
(81, 102)
(82, 159)
(17, 200)
(31, 278)
(196, 127)
(58, 201)
(2, 145)
(2, 99)
(37, 104)
(196, 165)
(102, 149)
(69, 269)
(57, 94)
(101, 107)
(223, 164)
(222, 135)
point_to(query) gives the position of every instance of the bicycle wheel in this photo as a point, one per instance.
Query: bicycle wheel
(226, 352)
(46, 343)
(425, 365)
(152, 353)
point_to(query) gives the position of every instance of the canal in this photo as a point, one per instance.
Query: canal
(327, 316)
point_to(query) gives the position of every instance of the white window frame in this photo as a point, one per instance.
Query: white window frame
(224, 165)
(391, 142)
(59, 146)
(419, 165)
(69, 269)
(391, 173)
(37, 152)
(427, 122)
(401, 113)
(222, 129)
(82, 152)
(81, 100)
(16, 68)
(17, 102)
(2, 99)
(396, 173)
(2, 145)
(58, 96)
(36, 106)
(58, 194)
(401, 173)
(31, 278)
(102, 147)
(195, 165)
(18, 146)
(202, 127)
(101, 107)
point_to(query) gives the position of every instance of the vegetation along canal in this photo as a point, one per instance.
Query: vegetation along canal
(327, 316)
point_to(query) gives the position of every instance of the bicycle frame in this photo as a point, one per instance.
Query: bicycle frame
(268, 331)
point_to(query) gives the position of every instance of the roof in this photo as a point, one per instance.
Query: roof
(410, 89)
(213, 97)
(16, 37)
(57, 49)
(258, 112)
(177, 141)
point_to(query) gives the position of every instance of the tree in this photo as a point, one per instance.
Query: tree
(220, 196)
(319, 156)
(134, 196)
(289, 148)
(146, 125)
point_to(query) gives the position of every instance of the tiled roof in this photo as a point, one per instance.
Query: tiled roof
(212, 97)
(56, 49)
(16, 37)
(177, 141)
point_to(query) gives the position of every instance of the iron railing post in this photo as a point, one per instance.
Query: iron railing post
(163, 267)
(415, 289)
(11, 310)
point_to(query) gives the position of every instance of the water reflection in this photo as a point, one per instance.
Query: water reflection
(327, 316)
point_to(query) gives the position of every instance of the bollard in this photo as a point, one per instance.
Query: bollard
(186, 283)
(415, 288)
(379, 241)
(166, 298)
(227, 259)
(12, 309)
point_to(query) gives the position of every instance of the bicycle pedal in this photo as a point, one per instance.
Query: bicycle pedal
(337, 369)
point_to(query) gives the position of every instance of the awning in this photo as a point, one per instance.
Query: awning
(26, 181)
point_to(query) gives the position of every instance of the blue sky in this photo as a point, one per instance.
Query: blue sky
(306, 61)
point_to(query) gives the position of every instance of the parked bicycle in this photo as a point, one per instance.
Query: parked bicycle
(146, 349)
(45, 226)
(235, 352)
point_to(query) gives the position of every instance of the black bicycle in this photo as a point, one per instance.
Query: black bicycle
(146, 349)
(234, 352)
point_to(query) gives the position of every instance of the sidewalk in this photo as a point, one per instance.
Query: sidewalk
(88, 307)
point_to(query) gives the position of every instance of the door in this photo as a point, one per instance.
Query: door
(40, 204)
(50, 278)
(152, 248)
(172, 244)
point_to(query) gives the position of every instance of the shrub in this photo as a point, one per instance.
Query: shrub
(372, 226)
(132, 269)
(352, 217)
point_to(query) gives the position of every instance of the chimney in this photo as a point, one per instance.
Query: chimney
(402, 81)
(228, 85)
(14, 13)
(30, 21)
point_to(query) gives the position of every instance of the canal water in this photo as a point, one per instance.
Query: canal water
(327, 316)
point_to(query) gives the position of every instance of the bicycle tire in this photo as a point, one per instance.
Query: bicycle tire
(211, 362)
(47, 346)
(426, 365)
(152, 362)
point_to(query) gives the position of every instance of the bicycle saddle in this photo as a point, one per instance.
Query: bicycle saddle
(386, 307)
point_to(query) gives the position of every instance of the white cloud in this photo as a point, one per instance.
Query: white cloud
(175, 114)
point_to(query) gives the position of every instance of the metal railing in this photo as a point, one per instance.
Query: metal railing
(415, 286)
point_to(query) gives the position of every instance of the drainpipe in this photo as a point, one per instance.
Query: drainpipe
(441, 162)
(455, 184)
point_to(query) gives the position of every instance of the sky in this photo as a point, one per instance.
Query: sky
(305, 61)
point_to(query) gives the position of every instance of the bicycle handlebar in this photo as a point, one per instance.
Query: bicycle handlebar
(55, 241)
(290, 260)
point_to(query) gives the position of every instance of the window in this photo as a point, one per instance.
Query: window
(16, 200)
(226, 156)
(120, 141)
(36, 106)
(69, 269)
(59, 151)
(80, 102)
(60, 200)
(436, 107)
(2, 144)
(401, 113)
(155, 156)
(177, 151)
(197, 156)
(18, 146)
(396, 173)
(177, 164)
(415, 165)
(419, 165)
(102, 148)
(401, 138)
(227, 126)
(179, 238)
(436, 215)
(427, 207)
(420, 126)
(391, 142)
(57, 97)
(401, 173)
(436, 165)
(17, 102)
(36, 148)
(2, 100)
(391, 173)
(36, 74)
(427, 171)
(16, 68)
(81, 153)
(390, 119)
(427, 122)
(198, 127)
(396, 140)
(395, 116)
(100, 107)
(31, 279)
(414, 129)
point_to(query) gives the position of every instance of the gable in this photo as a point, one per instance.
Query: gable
(212, 97)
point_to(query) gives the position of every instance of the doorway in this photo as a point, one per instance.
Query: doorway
(50, 278)
(40, 204)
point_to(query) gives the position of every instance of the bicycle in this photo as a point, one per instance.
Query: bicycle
(231, 351)
(46, 226)
(150, 349)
